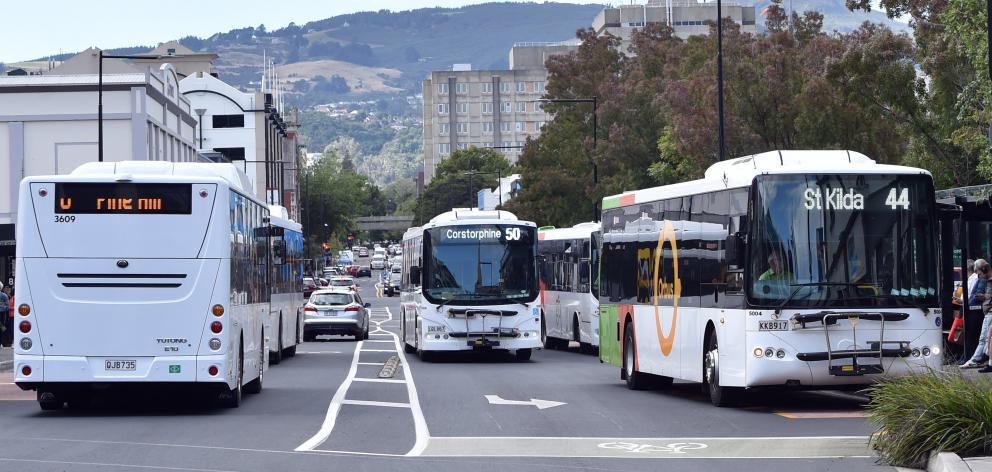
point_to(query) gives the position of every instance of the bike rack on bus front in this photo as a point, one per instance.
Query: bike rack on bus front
(483, 341)
(876, 349)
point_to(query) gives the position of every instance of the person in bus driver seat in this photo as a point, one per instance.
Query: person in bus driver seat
(776, 271)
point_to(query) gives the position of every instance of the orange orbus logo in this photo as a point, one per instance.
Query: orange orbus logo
(666, 289)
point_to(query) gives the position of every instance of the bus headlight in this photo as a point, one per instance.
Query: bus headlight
(916, 352)
(769, 352)
(26, 344)
(780, 353)
(214, 344)
(925, 351)
(935, 350)
(759, 351)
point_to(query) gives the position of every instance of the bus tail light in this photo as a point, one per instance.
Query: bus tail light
(26, 344)
(217, 310)
(25, 327)
(24, 309)
(216, 327)
(26, 371)
(212, 370)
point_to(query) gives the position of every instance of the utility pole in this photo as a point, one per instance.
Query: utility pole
(719, 71)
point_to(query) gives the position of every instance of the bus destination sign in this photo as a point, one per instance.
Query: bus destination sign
(125, 198)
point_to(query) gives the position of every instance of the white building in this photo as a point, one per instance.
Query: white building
(509, 187)
(48, 125)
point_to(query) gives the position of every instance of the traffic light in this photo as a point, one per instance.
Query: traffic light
(351, 237)
(325, 247)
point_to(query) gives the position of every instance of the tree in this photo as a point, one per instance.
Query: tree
(452, 187)
(335, 196)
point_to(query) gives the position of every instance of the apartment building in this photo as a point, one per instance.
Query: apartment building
(484, 108)
(687, 18)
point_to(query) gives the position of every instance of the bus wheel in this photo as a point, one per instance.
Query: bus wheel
(232, 398)
(49, 401)
(523, 355)
(275, 357)
(719, 396)
(635, 380)
(407, 348)
(255, 386)
(291, 350)
(547, 341)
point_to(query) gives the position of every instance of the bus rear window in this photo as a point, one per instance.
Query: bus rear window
(126, 198)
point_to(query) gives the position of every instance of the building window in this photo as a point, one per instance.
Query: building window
(507, 107)
(487, 87)
(462, 146)
(540, 125)
(506, 127)
(233, 153)
(462, 108)
(462, 128)
(521, 126)
(505, 87)
(487, 108)
(229, 121)
(539, 87)
(444, 149)
(461, 88)
(521, 87)
(442, 129)
(521, 107)
(442, 89)
(442, 108)
(508, 146)
(539, 106)
(487, 128)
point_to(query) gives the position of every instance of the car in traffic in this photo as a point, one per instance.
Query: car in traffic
(343, 282)
(309, 286)
(345, 260)
(363, 272)
(378, 262)
(363, 252)
(392, 285)
(335, 312)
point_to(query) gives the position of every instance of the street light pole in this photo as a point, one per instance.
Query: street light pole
(719, 70)
(199, 114)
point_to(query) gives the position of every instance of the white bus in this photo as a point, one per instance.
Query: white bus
(141, 272)
(285, 327)
(567, 262)
(470, 282)
(794, 268)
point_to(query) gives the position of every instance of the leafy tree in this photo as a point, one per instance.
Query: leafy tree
(458, 178)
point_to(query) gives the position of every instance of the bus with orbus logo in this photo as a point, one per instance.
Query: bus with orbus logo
(567, 261)
(794, 268)
(148, 274)
(470, 283)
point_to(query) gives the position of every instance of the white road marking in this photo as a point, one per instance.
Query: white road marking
(319, 352)
(365, 379)
(540, 404)
(334, 408)
(379, 341)
(372, 403)
(420, 424)
(107, 464)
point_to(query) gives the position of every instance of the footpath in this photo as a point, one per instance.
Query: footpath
(6, 359)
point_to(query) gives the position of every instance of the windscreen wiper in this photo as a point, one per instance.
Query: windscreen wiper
(511, 300)
(449, 300)
(812, 284)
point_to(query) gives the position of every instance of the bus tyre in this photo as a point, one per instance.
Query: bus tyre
(48, 401)
(275, 357)
(635, 380)
(547, 341)
(523, 355)
(232, 398)
(255, 386)
(719, 396)
(407, 348)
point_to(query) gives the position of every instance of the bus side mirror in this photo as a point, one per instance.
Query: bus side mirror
(734, 250)
(415, 275)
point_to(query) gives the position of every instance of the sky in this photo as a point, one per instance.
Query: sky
(30, 30)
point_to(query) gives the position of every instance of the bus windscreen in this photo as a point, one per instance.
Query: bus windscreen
(123, 198)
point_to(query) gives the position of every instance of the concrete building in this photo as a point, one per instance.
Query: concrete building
(687, 18)
(509, 187)
(48, 125)
(482, 108)
(247, 129)
(183, 60)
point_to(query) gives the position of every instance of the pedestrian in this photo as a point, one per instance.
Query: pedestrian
(7, 338)
(982, 295)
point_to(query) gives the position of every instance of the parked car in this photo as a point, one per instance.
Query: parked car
(333, 312)
(344, 281)
(309, 286)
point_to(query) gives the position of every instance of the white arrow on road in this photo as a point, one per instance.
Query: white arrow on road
(540, 404)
